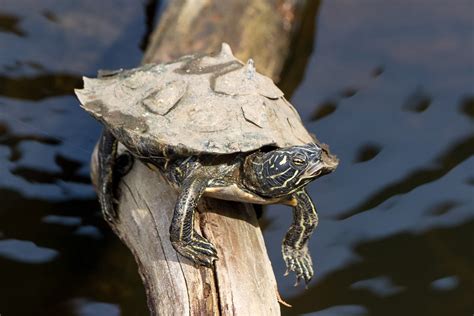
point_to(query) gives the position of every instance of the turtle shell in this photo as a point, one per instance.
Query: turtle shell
(198, 104)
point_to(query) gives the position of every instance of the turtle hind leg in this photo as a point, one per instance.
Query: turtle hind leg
(123, 164)
(184, 238)
(107, 153)
(295, 244)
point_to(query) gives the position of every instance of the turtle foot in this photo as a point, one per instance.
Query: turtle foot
(198, 250)
(298, 261)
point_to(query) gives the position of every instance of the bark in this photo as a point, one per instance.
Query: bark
(242, 281)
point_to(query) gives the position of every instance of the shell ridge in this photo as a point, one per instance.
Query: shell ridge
(220, 106)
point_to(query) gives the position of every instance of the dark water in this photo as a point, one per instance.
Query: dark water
(390, 86)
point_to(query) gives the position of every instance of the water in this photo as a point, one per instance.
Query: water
(389, 86)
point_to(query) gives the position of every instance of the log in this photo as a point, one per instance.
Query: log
(264, 30)
(242, 280)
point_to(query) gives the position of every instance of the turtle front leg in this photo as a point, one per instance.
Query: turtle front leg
(295, 244)
(184, 238)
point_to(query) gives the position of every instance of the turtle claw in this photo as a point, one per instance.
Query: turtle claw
(203, 243)
(298, 261)
(297, 281)
(198, 250)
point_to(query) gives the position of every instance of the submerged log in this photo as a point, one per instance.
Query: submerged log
(242, 281)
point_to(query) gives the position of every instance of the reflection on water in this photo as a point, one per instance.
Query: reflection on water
(38, 87)
(404, 274)
(13, 141)
(55, 250)
(69, 168)
(62, 255)
(388, 86)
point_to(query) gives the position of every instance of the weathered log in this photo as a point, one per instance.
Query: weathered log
(260, 29)
(242, 281)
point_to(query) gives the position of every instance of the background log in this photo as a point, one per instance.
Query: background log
(242, 281)
(264, 30)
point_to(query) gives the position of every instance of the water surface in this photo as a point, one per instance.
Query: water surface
(390, 86)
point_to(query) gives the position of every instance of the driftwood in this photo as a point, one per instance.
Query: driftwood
(242, 281)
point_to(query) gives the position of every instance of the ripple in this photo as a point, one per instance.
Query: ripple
(34, 175)
(323, 110)
(39, 87)
(410, 261)
(342, 310)
(443, 207)
(417, 102)
(85, 307)
(381, 286)
(50, 16)
(448, 160)
(9, 24)
(349, 92)
(26, 251)
(62, 220)
(12, 141)
(377, 71)
(467, 107)
(89, 231)
(445, 284)
(367, 152)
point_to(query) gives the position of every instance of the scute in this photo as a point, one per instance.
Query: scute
(247, 81)
(211, 104)
(164, 98)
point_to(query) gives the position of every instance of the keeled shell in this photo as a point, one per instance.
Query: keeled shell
(211, 104)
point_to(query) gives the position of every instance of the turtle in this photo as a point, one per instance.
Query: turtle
(213, 126)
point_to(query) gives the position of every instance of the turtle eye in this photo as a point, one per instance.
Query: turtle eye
(299, 160)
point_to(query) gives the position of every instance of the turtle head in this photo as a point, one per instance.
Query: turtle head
(285, 170)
